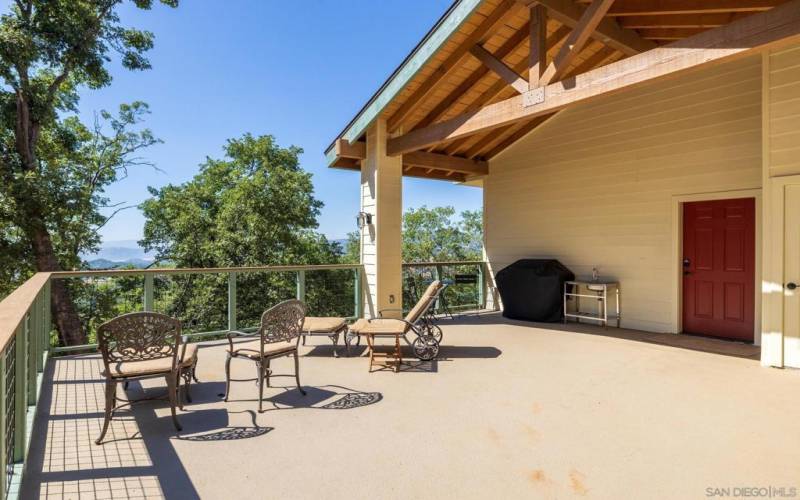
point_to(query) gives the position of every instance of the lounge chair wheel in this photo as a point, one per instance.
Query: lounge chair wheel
(436, 332)
(425, 347)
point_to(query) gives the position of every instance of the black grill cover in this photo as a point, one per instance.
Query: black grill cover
(532, 289)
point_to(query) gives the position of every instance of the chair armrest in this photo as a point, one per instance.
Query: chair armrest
(235, 333)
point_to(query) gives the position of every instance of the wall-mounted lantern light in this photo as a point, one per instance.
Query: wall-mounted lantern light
(363, 219)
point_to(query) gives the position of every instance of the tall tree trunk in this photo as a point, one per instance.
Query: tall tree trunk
(68, 323)
(70, 330)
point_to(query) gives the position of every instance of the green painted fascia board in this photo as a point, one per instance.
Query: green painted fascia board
(406, 72)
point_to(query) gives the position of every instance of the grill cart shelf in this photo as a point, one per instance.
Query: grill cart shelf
(598, 291)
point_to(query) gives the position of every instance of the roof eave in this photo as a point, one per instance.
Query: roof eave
(448, 24)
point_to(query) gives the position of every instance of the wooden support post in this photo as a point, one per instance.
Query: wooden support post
(381, 241)
(231, 301)
(537, 61)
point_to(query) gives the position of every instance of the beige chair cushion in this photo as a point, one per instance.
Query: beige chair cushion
(151, 366)
(322, 325)
(380, 326)
(423, 302)
(251, 349)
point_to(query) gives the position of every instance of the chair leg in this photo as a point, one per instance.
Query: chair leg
(261, 376)
(335, 339)
(371, 351)
(398, 355)
(111, 390)
(172, 388)
(185, 391)
(194, 372)
(267, 372)
(297, 374)
(227, 377)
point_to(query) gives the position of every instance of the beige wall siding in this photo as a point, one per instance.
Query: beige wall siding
(595, 185)
(784, 112)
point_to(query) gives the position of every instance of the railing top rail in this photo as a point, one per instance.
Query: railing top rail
(445, 263)
(15, 306)
(201, 270)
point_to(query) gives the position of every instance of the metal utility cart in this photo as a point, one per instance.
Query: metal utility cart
(599, 291)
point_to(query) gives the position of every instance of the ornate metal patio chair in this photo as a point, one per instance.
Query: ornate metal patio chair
(278, 336)
(139, 346)
(418, 321)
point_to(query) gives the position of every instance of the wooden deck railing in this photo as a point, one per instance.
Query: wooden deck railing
(27, 336)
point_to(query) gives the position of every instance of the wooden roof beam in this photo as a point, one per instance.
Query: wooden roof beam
(537, 34)
(473, 79)
(660, 7)
(502, 70)
(607, 31)
(716, 45)
(576, 40)
(346, 149)
(446, 163)
(508, 46)
(680, 20)
(480, 34)
(669, 33)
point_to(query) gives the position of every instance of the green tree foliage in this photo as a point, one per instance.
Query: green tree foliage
(434, 235)
(253, 207)
(48, 50)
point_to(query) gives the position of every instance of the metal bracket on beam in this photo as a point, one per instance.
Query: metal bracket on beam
(533, 96)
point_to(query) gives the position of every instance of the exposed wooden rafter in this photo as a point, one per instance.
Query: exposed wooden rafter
(653, 7)
(537, 36)
(486, 28)
(350, 156)
(451, 98)
(715, 45)
(576, 40)
(608, 31)
(679, 20)
(500, 68)
(437, 111)
(446, 163)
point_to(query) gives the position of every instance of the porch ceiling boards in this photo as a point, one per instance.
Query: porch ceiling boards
(485, 57)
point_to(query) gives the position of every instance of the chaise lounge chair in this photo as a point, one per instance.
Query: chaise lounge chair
(426, 343)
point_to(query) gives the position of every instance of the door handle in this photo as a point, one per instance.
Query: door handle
(791, 286)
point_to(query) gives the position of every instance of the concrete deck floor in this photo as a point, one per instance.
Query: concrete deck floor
(511, 410)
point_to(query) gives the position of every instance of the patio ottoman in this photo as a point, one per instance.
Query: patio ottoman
(330, 327)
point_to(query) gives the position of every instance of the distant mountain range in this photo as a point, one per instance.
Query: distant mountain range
(128, 253)
(110, 264)
(119, 253)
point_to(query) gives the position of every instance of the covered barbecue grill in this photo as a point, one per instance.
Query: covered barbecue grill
(531, 289)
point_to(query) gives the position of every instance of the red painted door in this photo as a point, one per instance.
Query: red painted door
(719, 268)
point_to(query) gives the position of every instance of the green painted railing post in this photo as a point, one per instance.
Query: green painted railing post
(301, 286)
(31, 369)
(148, 292)
(3, 423)
(481, 287)
(358, 294)
(48, 319)
(231, 301)
(439, 275)
(20, 390)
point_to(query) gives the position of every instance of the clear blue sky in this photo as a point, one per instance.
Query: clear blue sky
(298, 70)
